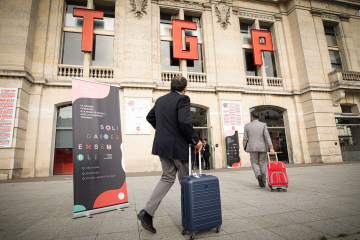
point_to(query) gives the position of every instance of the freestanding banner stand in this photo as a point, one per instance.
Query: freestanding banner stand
(99, 174)
(232, 149)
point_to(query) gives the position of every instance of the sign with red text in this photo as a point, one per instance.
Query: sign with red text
(8, 97)
(136, 112)
(232, 149)
(98, 160)
(232, 117)
(261, 41)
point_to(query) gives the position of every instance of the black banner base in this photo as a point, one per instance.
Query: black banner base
(99, 210)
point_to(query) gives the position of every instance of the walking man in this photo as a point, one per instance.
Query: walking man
(170, 116)
(257, 142)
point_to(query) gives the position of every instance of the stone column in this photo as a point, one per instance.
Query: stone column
(183, 65)
(347, 46)
(119, 41)
(321, 40)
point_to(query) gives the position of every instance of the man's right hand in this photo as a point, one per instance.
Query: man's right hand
(199, 145)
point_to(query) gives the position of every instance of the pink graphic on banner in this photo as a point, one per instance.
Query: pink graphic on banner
(85, 89)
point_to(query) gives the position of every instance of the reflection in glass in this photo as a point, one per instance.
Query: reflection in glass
(71, 21)
(63, 138)
(272, 116)
(198, 116)
(166, 23)
(108, 23)
(278, 138)
(72, 54)
(335, 60)
(64, 117)
(103, 51)
(198, 30)
(196, 65)
(245, 33)
(250, 68)
(168, 63)
(270, 66)
(330, 36)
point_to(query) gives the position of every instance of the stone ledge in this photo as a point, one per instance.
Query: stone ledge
(17, 73)
(3, 176)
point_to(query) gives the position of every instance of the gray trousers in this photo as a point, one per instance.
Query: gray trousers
(258, 164)
(169, 167)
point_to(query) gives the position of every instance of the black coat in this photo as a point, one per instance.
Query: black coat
(206, 150)
(170, 117)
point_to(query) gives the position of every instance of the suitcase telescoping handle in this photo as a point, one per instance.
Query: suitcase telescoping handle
(268, 155)
(195, 157)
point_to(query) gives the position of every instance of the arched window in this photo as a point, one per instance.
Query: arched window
(63, 159)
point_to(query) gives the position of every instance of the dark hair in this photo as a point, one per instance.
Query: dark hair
(205, 139)
(178, 83)
(255, 114)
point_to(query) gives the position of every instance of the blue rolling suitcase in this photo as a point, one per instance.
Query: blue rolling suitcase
(200, 202)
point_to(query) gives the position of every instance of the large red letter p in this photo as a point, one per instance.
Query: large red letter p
(258, 47)
(178, 52)
(88, 26)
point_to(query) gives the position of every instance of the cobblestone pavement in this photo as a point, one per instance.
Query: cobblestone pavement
(321, 201)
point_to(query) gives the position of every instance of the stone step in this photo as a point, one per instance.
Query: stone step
(3, 176)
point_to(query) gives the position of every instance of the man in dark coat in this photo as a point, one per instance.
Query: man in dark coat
(206, 154)
(170, 117)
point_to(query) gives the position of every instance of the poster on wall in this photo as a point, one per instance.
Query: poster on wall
(98, 160)
(232, 116)
(136, 111)
(8, 97)
(232, 149)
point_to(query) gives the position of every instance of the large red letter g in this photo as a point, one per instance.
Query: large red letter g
(88, 26)
(258, 47)
(177, 27)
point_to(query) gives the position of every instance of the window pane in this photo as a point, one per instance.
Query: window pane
(168, 63)
(63, 138)
(103, 51)
(198, 30)
(270, 66)
(330, 36)
(64, 117)
(335, 57)
(109, 18)
(196, 65)
(72, 54)
(336, 67)
(166, 24)
(245, 33)
(71, 21)
(250, 68)
(266, 28)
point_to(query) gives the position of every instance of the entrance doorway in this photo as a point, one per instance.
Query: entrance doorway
(348, 128)
(274, 119)
(202, 130)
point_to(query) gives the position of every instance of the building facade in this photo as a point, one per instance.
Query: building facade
(307, 90)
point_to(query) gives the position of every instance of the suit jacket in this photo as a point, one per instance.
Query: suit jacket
(256, 137)
(206, 150)
(170, 117)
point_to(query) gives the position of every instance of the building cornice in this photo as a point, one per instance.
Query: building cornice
(17, 74)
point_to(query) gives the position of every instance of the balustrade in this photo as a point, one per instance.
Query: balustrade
(254, 81)
(274, 82)
(96, 72)
(70, 71)
(197, 77)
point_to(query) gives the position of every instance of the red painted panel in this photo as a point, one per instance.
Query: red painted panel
(258, 47)
(179, 53)
(63, 161)
(88, 25)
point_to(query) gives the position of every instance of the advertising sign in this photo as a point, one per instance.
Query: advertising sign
(232, 116)
(8, 97)
(98, 161)
(136, 111)
(232, 149)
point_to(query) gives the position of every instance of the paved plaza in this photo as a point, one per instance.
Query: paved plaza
(321, 203)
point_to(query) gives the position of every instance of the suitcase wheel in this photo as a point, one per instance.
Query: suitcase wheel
(183, 232)
(218, 229)
(272, 189)
(285, 190)
(192, 237)
(278, 189)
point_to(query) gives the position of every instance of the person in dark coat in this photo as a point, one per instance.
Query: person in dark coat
(170, 117)
(206, 154)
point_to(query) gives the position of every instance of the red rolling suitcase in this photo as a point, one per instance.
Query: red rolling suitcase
(277, 175)
(200, 202)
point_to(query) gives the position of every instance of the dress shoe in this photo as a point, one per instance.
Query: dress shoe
(146, 221)
(261, 183)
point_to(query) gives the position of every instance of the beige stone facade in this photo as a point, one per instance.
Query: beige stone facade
(306, 89)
